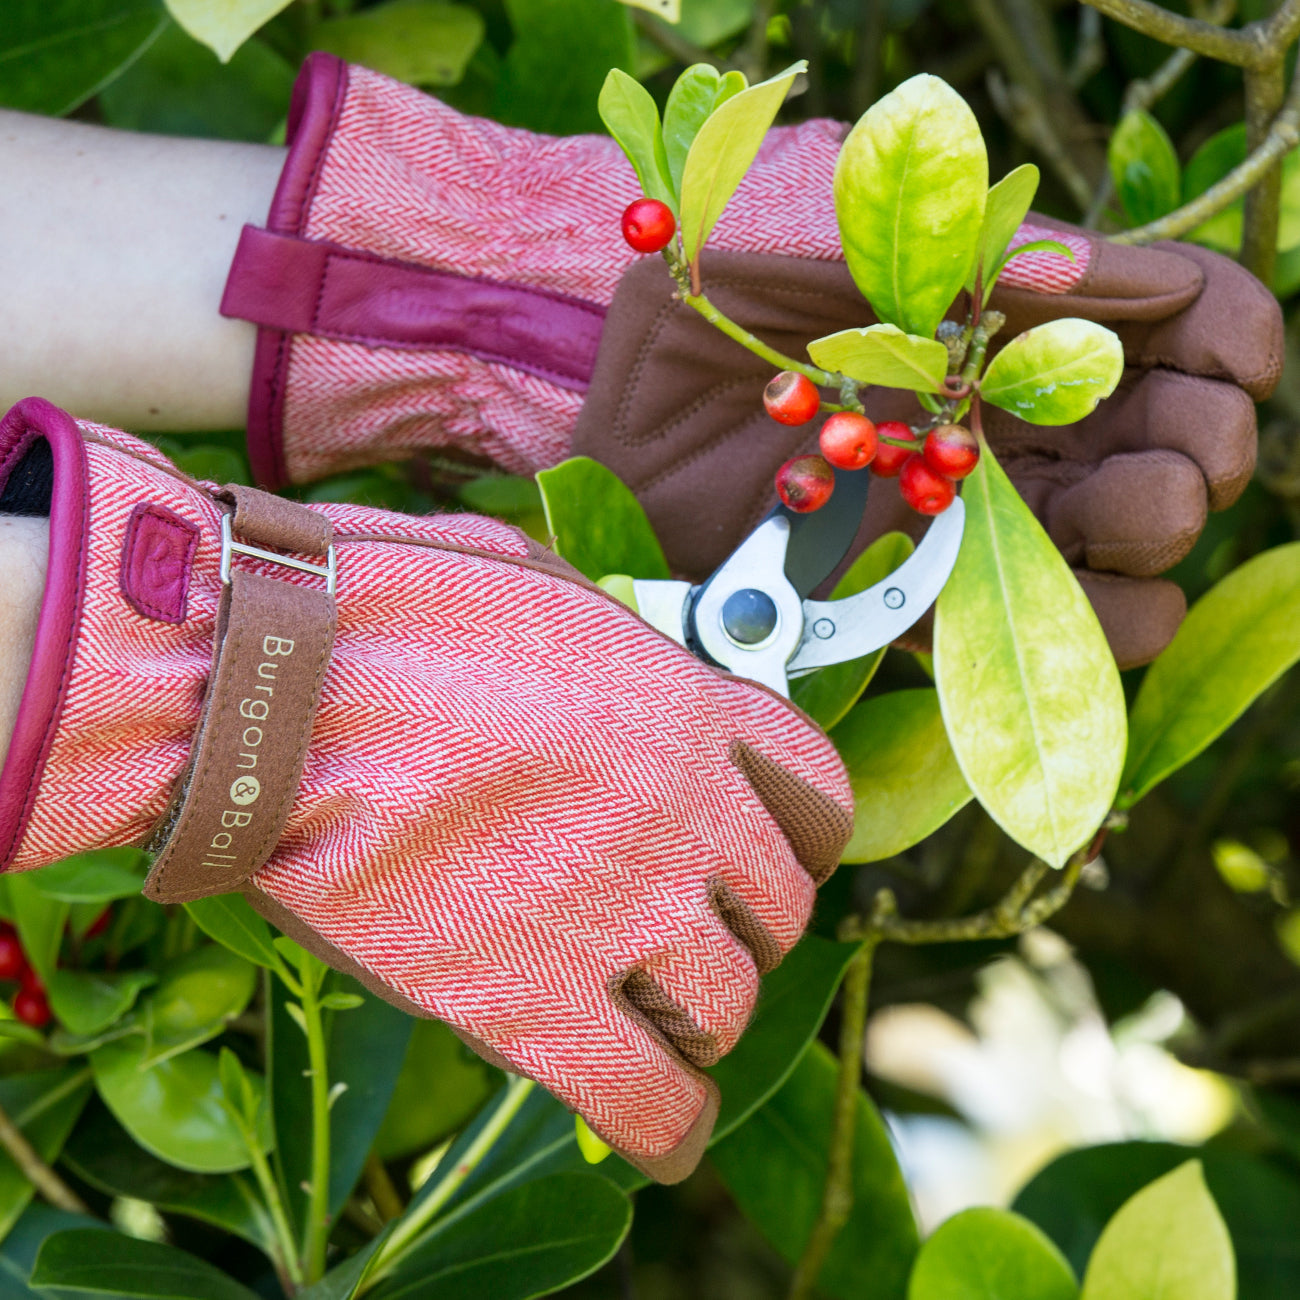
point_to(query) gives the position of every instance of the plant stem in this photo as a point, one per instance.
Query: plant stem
(35, 1170)
(837, 1196)
(316, 1235)
(1254, 46)
(287, 1248)
(425, 1210)
(1265, 92)
(380, 1186)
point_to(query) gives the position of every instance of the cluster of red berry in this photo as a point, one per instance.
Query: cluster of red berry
(31, 1006)
(927, 471)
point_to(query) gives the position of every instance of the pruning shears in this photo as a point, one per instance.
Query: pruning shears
(753, 615)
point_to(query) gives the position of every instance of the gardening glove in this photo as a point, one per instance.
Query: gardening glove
(471, 779)
(430, 280)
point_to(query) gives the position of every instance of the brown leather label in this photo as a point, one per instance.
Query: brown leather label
(253, 740)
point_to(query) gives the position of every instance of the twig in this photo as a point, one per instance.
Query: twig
(1090, 52)
(35, 1170)
(866, 63)
(379, 1185)
(673, 43)
(1025, 116)
(1254, 46)
(1265, 92)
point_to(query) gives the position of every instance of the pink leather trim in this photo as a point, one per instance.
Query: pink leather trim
(56, 632)
(157, 558)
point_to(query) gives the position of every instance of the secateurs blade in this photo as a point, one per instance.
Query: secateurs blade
(753, 615)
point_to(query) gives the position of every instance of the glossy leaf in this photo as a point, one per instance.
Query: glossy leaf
(631, 116)
(910, 188)
(174, 1109)
(423, 42)
(775, 1167)
(24, 1240)
(1211, 163)
(1144, 167)
(1238, 639)
(198, 995)
(883, 354)
(103, 1154)
(44, 1104)
(721, 154)
(528, 1241)
(99, 877)
(689, 104)
(906, 781)
(1030, 693)
(1168, 1240)
(829, 693)
(223, 25)
(179, 87)
(87, 1001)
(85, 1262)
(987, 1254)
(598, 525)
(1055, 373)
(56, 54)
(1006, 208)
(40, 921)
(232, 922)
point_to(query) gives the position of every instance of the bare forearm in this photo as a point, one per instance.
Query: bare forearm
(24, 548)
(114, 248)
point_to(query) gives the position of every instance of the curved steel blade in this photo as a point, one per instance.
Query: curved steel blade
(821, 539)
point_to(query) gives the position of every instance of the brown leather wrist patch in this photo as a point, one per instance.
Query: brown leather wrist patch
(273, 643)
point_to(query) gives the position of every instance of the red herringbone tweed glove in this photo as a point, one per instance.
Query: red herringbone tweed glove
(431, 280)
(522, 810)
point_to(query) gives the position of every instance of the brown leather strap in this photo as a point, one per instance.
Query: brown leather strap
(272, 647)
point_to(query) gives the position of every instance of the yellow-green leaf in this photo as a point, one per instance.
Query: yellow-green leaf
(1055, 373)
(1168, 1242)
(722, 151)
(910, 185)
(1007, 206)
(884, 354)
(1144, 167)
(1235, 642)
(906, 782)
(1030, 693)
(224, 25)
(631, 117)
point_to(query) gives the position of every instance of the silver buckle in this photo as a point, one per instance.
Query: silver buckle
(230, 548)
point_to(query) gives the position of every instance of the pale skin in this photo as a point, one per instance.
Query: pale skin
(114, 249)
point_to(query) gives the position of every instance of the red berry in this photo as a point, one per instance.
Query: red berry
(100, 923)
(12, 959)
(805, 483)
(648, 225)
(951, 450)
(32, 1009)
(923, 489)
(848, 440)
(889, 459)
(791, 398)
(30, 982)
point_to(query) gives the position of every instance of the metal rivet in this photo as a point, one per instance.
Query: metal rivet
(749, 616)
(823, 628)
(894, 599)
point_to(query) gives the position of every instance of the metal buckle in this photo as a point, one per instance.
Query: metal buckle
(230, 548)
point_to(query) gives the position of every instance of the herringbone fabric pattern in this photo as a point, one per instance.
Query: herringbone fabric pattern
(408, 178)
(516, 791)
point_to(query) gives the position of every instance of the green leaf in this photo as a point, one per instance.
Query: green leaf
(505, 495)
(1055, 373)
(342, 1001)
(224, 25)
(691, 100)
(1006, 208)
(103, 1154)
(1168, 1240)
(1235, 642)
(86, 1002)
(986, 1254)
(905, 778)
(631, 116)
(829, 693)
(1030, 693)
(18, 1253)
(528, 1241)
(598, 525)
(883, 354)
(179, 87)
(721, 154)
(40, 921)
(85, 1262)
(1144, 167)
(910, 188)
(44, 1104)
(174, 1109)
(775, 1167)
(1033, 246)
(99, 877)
(56, 54)
(423, 42)
(198, 995)
(231, 921)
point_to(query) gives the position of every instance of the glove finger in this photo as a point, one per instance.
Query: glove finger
(1136, 514)
(1138, 615)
